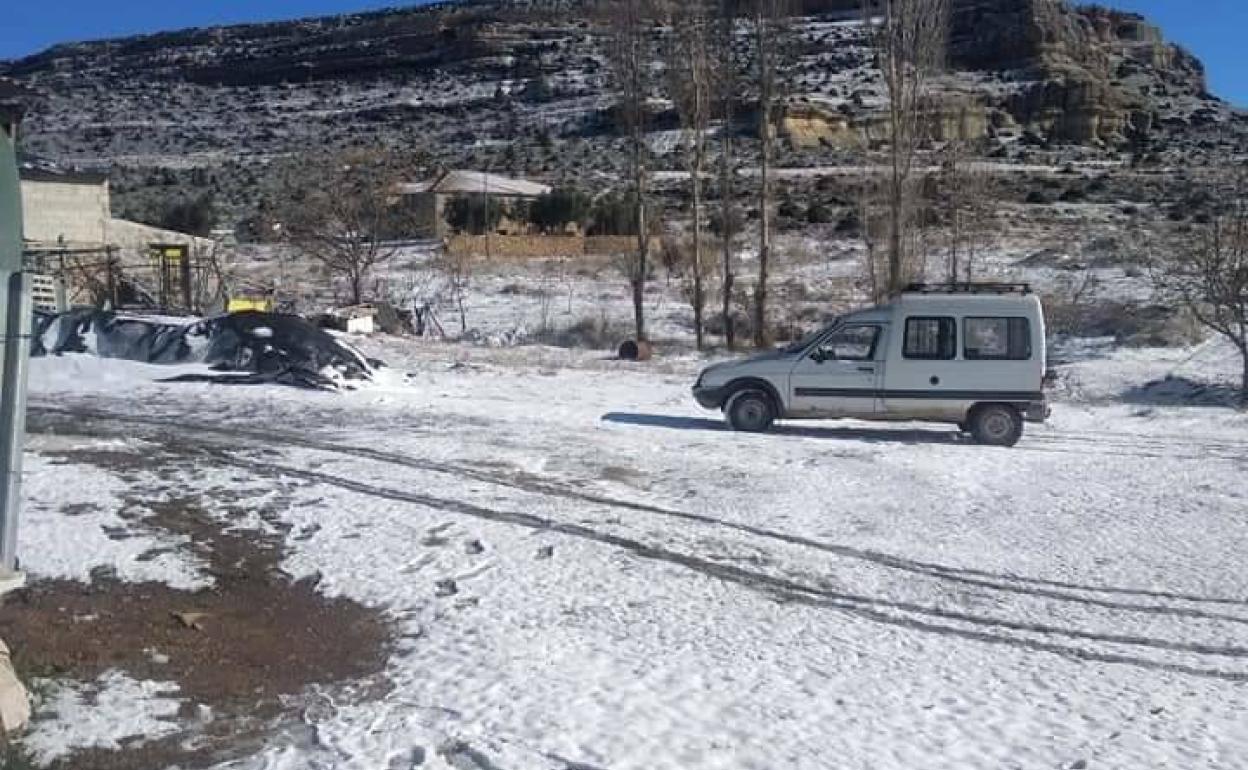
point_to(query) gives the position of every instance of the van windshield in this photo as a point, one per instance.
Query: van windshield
(805, 341)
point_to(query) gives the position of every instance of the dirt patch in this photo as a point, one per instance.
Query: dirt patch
(241, 648)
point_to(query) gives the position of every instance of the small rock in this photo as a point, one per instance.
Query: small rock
(1079, 765)
(159, 658)
(446, 587)
(191, 620)
(474, 547)
(546, 552)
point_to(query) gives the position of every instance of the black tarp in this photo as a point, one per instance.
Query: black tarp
(250, 347)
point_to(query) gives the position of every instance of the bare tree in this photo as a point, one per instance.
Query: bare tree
(1206, 271)
(341, 210)
(966, 208)
(456, 268)
(909, 41)
(689, 82)
(876, 230)
(769, 19)
(629, 50)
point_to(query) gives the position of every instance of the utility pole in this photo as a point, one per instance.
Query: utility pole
(15, 318)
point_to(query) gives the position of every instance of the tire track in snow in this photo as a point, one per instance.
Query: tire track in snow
(908, 615)
(1005, 583)
(902, 614)
(1129, 445)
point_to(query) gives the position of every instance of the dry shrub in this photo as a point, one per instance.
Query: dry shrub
(588, 333)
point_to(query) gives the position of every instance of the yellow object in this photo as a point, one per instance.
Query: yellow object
(239, 304)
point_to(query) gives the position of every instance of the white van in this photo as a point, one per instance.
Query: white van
(968, 354)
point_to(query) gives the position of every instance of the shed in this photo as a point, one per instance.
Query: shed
(428, 199)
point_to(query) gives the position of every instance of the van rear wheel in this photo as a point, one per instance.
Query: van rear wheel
(996, 425)
(750, 411)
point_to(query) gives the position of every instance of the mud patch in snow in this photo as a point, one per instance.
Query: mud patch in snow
(243, 655)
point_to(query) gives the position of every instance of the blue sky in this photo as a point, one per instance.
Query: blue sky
(1214, 29)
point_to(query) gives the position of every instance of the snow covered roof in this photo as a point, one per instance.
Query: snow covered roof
(469, 182)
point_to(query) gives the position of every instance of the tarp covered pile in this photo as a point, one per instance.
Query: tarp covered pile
(250, 347)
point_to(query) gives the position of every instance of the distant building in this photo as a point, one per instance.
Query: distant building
(427, 200)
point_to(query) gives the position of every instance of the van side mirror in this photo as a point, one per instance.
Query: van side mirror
(819, 355)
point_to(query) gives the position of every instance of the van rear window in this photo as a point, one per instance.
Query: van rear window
(933, 339)
(996, 339)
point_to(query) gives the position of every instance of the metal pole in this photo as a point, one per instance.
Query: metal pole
(15, 321)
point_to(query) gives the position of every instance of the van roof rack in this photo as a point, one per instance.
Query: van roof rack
(969, 288)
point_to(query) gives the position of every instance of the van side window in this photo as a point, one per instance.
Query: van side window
(933, 339)
(996, 339)
(852, 343)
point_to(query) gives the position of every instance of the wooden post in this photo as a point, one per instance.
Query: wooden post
(188, 303)
(110, 276)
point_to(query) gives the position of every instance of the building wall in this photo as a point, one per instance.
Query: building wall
(422, 215)
(77, 212)
(135, 238)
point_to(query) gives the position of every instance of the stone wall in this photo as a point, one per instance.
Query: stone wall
(541, 246)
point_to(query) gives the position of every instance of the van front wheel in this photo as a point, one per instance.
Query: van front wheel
(996, 425)
(750, 412)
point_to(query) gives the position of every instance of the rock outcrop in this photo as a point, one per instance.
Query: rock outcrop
(1085, 74)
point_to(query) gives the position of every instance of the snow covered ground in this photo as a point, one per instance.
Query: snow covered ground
(104, 714)
(587, 571)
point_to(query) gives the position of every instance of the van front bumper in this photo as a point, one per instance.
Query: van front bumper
(1038, 411)
(709, 398)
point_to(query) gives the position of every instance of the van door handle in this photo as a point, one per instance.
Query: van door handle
(866, 368)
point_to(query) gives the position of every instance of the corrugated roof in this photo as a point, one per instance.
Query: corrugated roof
(459, 182)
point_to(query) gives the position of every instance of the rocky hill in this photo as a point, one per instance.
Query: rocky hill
(522, 88)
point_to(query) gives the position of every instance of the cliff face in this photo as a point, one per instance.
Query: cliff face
(523, 87)
(1096, 75)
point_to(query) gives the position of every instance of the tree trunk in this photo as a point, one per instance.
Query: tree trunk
(898, 143)
(639, 269)
(764, 214)
(698, 299)
(357, 287)
(1243, 392)
(726, 212)
(896, 215)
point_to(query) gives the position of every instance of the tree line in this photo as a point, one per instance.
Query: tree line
(713, 59)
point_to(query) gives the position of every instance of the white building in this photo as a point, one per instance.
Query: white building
(71, 234)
